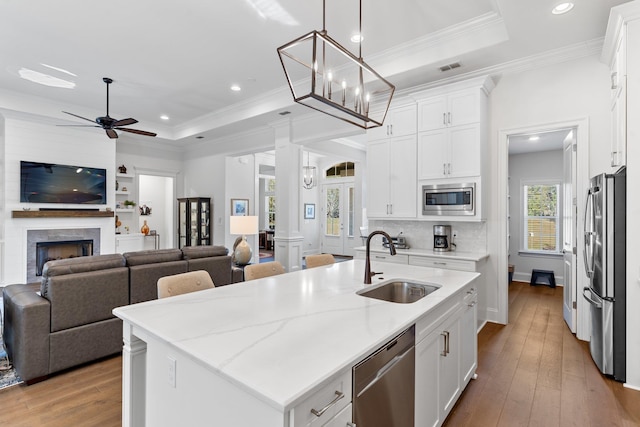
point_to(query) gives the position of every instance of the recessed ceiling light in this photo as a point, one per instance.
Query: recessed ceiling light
(534, 138)
(45, 79)
(356, 38)
(164, 117)
(562, 8)
(236, 88)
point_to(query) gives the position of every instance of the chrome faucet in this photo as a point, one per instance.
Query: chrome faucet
(367, 266)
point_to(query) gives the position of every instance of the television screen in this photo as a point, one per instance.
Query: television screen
(52, 183)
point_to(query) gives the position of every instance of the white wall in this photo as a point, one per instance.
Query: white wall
(157, 193)
(539, 166)
(28, 140)
(563, 92)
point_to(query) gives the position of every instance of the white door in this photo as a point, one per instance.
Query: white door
(338, 221)
(569, 233)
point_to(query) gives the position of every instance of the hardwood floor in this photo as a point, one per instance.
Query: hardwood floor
(532, 372)
(87, 396)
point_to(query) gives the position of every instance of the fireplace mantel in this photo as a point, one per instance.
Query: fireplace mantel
(63, 213)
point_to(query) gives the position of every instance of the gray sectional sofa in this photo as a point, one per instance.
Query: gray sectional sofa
(67, 319)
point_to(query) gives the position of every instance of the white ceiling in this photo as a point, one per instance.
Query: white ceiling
(180, 58)
(538, 141)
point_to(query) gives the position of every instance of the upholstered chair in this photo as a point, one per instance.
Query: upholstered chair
(183, 283)
(319, 259)
(265, 269)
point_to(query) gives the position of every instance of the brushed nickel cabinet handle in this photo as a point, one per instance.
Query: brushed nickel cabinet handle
(339, 395)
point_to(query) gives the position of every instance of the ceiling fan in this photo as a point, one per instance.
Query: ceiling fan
(108, 123)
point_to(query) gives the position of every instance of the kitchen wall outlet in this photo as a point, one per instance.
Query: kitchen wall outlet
(171, 372)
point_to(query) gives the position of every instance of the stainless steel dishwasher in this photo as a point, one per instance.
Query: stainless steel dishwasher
(384, 384)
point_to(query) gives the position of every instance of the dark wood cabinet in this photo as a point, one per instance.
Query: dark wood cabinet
(194, 221)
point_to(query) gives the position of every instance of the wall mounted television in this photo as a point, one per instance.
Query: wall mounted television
(54, 183)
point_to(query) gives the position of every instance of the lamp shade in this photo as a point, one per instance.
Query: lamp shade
(243, 225)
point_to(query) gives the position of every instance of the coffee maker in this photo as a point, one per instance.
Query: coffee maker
(442, 238)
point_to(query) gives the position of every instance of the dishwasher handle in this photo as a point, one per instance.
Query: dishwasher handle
(385, 369)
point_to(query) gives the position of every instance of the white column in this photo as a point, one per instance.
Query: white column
(288, 237)
(134, 367)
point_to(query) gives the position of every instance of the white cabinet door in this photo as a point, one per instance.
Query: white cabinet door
(402, 177)
(428, 351)
(343, 419)
(432, 113)
(449, 153)
(400, 121)
(391, 172)
(455, 109)
(433, 154)
(468, 340)
(449, 384)
(378, 178)
(463, 108)
(464, 151)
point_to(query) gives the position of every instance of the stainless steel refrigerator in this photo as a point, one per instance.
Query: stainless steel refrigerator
(605, 264)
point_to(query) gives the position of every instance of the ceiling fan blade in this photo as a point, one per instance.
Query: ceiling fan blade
(80, 117)
(139, 132)
(125, 122)
(111, 133)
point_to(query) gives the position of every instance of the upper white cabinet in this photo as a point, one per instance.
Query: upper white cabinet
(624, 62)
(391, 165)
(391, 177)
(452, 130)
(400, 121)
(455, 109)
(449, 153)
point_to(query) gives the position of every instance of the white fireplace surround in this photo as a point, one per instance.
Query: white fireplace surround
(56, 235)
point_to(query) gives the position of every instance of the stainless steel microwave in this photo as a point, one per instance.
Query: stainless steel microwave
(449, 199)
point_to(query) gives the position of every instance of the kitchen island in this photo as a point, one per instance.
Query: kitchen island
(263, 352)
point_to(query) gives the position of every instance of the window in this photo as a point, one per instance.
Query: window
(341, 170)
(541, 217)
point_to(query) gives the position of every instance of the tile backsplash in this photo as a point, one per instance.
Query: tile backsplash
(469, 236)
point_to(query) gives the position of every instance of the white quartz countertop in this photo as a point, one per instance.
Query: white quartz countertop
(459, 255)
(280, 337)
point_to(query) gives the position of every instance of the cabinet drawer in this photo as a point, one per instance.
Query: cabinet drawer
(386, 257)
(430, 321)
(449, 264)
(343, 419)
(327, 397)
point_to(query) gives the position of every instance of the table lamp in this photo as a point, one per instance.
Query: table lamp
(243, 225)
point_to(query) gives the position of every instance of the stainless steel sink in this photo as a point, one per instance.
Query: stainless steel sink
(399, 291)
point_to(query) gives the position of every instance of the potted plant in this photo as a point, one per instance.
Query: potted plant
(129, 204)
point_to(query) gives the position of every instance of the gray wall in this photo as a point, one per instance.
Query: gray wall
(544, 166)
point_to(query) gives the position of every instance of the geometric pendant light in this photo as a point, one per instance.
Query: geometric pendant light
(325, 76)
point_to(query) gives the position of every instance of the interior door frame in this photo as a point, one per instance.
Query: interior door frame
(569, 248)
(582, 180)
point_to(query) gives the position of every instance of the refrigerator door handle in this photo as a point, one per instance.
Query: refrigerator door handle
(596, 304)
(587, 235)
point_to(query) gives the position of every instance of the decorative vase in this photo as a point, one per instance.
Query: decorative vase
(145, 228)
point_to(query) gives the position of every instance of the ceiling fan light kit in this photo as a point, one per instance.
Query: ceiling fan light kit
(325, 76)
(108, 123)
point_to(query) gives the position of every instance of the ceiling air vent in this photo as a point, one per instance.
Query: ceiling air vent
(450, 66)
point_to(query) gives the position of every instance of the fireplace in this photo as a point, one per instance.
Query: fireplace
(48, 251)
(40, 242)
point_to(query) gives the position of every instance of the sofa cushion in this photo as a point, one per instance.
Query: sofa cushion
(83, 298)
(152, 256)
(82, 264)
(195, 252)
(143, 279)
